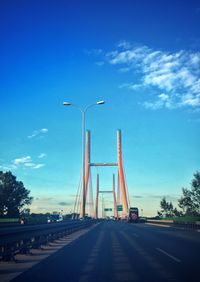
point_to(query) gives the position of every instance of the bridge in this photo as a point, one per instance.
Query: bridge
(96, 249)
(121, 202)
(103, 250)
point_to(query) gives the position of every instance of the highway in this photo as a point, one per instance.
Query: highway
(118, 251)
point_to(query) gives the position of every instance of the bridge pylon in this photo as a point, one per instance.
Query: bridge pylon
(122, 189)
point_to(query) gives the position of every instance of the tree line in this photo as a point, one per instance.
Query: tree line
(13, 195)
(189, 202)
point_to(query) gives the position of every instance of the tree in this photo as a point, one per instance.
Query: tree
(167, 209)
(13, 195)
(190, 200)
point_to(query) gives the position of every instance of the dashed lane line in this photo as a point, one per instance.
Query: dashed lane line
(163, 273)
(122, 268)
(169, 255)
(90, 264)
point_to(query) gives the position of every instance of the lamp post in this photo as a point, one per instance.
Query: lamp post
(83, 111)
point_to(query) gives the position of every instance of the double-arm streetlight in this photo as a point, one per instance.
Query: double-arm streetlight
(83, 111)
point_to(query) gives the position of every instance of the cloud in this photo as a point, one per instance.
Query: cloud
(41, 156)
(36, 166)
(131, 86)
(64, 204)
(168, 197)
(163, 100)
(144, 196)
(174, 77)
(93, 52)
(22, 160)
(5, 167)
(44, 199)
(44, 130)
(26, 162)
(137, 197)
(38, 133)
(124, 44)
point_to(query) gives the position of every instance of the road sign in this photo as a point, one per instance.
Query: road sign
(108, 209)
(119, 208)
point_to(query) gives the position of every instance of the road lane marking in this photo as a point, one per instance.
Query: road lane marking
(162, 272)
(125, 266)
(158, 225)
(122, 269)
(169, 255)
(126, 276)
(121, 260)
(89, 266)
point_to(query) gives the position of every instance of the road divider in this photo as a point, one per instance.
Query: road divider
(21, 239)
(175, 223)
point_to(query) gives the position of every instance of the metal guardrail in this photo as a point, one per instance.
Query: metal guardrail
(21, 239)
(182, 224)
(160, 222)
(188, 225)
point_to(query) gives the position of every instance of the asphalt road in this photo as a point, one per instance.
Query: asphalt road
(118, 251)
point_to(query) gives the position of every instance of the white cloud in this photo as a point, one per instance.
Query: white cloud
(163, 100)
(36, 166)
(174, 73)
(5, 167)
(26, 162)
(22, 160)
(29, 164)
(44, 130)
(131, 86)
(41, 156)
(124, 44)
(38, 132)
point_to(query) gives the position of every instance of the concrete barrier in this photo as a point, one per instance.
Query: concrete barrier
(176, 223)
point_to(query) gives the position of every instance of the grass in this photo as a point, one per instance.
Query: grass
(5, 220)
(183, 218)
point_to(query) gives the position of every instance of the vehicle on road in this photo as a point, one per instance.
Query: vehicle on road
(54, 218)
(133, 215)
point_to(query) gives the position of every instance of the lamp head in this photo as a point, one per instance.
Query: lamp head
(100, 102)
(66, 104)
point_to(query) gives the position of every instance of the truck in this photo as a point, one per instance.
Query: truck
(133, 215)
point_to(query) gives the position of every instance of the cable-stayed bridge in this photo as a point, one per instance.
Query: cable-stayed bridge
(120, 197)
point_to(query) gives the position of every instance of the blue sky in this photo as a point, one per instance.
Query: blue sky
(141, 57)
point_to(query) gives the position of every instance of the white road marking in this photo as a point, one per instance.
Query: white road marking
(167, 254)
(158, 225)
(162, 271)
(121, 266)
(90, 264)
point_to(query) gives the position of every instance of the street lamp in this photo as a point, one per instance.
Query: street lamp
(83, 111)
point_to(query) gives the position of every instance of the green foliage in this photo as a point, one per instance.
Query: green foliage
(36, 218)
(9, 220)
(167, 209)
(190, 200)
(13, 195)
(187, 219)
